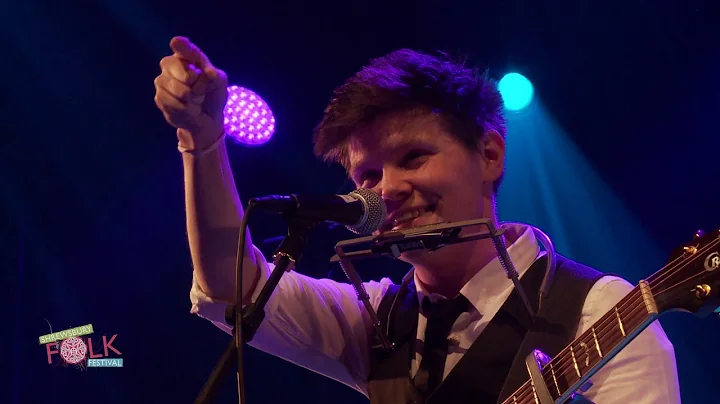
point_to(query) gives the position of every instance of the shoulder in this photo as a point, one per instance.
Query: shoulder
(606, 289)
(576, 269)
(606, 293)
(645, 370)
(377, 290)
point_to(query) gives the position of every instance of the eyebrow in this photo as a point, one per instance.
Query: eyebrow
(358, 166)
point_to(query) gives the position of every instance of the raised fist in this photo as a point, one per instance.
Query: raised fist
(191, 93)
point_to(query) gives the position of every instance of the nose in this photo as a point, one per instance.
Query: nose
(394, 185)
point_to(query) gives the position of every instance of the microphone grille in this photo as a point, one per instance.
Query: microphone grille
(375, 211)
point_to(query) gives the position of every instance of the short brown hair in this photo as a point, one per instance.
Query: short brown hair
(469, 102)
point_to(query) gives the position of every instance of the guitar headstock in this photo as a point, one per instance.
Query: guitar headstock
(691, 279)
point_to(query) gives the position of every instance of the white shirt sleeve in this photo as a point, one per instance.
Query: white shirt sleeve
(318, 324)
(645, 371)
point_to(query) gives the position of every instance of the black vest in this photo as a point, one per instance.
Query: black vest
(494, 366)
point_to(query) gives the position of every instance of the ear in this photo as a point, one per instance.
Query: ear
(493, 154)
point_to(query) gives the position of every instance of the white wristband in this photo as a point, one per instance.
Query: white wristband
(202, 152)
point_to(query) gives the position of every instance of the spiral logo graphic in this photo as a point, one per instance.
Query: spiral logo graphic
(73, 350)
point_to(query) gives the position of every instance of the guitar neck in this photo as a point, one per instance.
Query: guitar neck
(574, 365)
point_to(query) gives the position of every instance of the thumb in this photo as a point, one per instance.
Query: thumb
(190, 52)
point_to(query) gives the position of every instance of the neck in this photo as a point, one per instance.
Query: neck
(446, 274)
(447, 270)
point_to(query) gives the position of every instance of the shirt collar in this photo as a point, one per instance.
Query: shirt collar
(491, 280)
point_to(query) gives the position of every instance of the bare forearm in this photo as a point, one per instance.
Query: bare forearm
(214, 213)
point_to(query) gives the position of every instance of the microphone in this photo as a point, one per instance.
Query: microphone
(361, 211)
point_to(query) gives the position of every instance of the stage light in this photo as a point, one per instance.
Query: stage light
(248, 118)
(516, 90)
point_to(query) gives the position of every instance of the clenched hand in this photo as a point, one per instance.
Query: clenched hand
(191, 93)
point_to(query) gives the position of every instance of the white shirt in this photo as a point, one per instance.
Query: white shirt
(319, 324)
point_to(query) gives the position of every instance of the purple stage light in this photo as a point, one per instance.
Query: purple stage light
(248, 119)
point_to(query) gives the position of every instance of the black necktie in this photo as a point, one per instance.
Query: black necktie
(441, 316)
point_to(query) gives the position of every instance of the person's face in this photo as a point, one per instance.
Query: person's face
(422, 172)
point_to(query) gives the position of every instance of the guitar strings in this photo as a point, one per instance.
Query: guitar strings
(601, 330)
(585, 346)
(695, 256)
(700, 251)
(604, 328)
(600, 327)
(566, 366)
(686, 280)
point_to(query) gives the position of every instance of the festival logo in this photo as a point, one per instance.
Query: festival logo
(75, 346)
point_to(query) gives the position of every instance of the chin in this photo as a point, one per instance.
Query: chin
(446, 259)
(427, 259)
(414, 257)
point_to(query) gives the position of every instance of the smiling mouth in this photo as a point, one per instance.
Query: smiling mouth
(406, 219)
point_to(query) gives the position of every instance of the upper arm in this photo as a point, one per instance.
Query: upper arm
(318, 324)
(645, 370)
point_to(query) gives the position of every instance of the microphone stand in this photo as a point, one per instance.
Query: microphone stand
(285, 258)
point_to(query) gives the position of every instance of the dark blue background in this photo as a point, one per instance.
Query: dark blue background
(92, 191)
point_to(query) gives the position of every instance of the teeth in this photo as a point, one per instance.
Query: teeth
(408, 216)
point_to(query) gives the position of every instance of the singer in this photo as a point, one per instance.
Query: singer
(427, 134)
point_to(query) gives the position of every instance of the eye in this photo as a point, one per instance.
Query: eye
(414, 158)
(369, 175)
